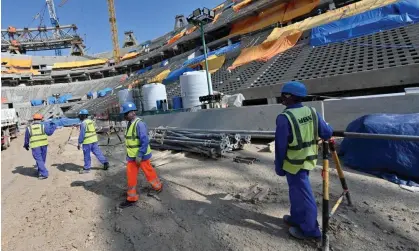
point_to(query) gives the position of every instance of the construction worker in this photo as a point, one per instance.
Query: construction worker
(37, 140)
(138, 154)
(88, 139)
(297, 130)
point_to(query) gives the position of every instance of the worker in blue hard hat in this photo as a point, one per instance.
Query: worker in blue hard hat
(297, 130)
(88, 138)
(138, 154)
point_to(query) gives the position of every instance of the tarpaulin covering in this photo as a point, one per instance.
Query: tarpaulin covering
(77, 64)
(17, 62)
(228, 5)
(130, 55)
(390, 159)
(16, 70)
(64, 122)
(219, 7)
(214, 63)
(164, 63)
(296, 8)
(189, 31)
(217, 52)
(176, 37)
(241, 5)
(217, 16)
(64, 98)
(330, 16)
(387, 17)
(104, 92)
(52, 100)
(89, 94)
(267, 17)
(174, 75)
(144, 70)
(266, 51)
(159, 77)
(36, 102)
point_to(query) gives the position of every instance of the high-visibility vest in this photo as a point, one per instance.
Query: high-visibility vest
(302, 151)
(90, 134)
(132, 142)
(38, 137)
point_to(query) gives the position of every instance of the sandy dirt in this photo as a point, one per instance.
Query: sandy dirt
(203, 206)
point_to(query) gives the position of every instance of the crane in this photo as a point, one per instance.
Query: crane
(114, 29)
(54, 21)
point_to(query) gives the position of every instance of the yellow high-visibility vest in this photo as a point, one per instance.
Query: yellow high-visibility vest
(90, 134)
(132, 142)
(38, 137)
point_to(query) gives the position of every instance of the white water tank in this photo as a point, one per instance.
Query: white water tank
(152, 93)
(192, 86)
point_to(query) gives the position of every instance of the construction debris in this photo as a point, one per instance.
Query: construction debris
(247, 160)
(212, 145)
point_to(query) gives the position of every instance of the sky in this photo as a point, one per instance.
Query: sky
(148, 19)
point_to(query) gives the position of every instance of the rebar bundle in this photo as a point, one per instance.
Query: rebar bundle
(213, 145)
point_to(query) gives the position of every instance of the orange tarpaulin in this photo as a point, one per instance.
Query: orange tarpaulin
(216, 18)
(298, 8)
(263, 19)
(17, 62)
(219, 7)
(176, 37)
(241, 5)
(191, 30)
(266, 51)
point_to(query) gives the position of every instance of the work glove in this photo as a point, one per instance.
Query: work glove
(26, 147)
(78, 147)
(138, 160)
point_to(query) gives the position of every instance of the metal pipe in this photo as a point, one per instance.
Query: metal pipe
(192, 143)
(163, 138)
(375, 136)
(247, 132)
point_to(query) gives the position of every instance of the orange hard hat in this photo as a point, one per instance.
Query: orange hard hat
(38, 116)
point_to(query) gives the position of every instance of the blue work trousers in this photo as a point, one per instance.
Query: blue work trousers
(40, 156)
(303, 203)
(94, 148)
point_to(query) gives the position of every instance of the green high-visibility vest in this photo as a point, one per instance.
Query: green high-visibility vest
(90, 134)
(302, 151)
(38, 137)
(132, 142)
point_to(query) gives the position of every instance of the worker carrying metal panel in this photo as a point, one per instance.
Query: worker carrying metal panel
(299, 126)
(138, 154)
(88, 138)
(36, 138)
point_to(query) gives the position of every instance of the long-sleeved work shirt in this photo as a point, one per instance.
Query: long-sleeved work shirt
(142, 134)
(49, 130)
(283, 136)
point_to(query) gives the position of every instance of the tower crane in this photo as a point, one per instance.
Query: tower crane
(114, 29)
(54, 21)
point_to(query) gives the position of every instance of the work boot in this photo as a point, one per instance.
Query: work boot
(298, 234)
(288, 221)
(106, 166)
(126, 204)
(41, 177)
(83, 171)
(155, 192)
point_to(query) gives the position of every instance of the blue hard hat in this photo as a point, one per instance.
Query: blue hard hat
(84, 112)
(295, 88)
(128, 106)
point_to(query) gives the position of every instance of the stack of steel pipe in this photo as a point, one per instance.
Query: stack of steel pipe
(212, 144)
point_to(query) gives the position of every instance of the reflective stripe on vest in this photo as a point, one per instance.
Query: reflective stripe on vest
(132, 142)
(38, 137)
(90, 135)
(302, 151)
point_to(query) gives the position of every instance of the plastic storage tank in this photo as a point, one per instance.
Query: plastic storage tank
(177, 103)
(152, 93)
(192, 86)
(125, 96)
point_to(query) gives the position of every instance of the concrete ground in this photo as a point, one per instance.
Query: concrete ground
(203, 206)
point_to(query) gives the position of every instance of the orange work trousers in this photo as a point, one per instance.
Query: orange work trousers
(132, 175)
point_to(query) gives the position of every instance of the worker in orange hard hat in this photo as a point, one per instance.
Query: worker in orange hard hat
(36, 139)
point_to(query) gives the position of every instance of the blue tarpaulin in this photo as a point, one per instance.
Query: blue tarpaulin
(174, 75)
(394, 160)
(36, 102)
(52, 100)
(89, 94)
(387, 17)
(164, 63)
(144, 70)
(104, 92)
(217, 52)
(64, 98)
(64, 122)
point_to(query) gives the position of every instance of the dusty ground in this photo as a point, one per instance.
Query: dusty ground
(198, 209)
